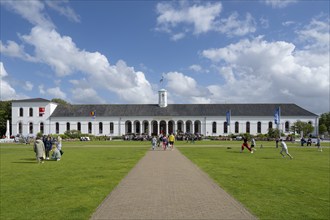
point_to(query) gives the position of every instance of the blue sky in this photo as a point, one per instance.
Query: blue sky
(265, 51)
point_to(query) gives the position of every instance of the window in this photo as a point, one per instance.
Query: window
(20, 128)
(111, 127)
(236, 127)
(89, 127)
(259, 127)
(270, 125)
(287, 126)
(247, 127)
(31, 128)
(225, 127)
(20, 112)
(31, 112)
(57, 128)
(214, 127)
(79, 126)
(101, 128)
(68, 126)
(42, 127)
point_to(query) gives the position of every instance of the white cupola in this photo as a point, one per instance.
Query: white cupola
(162, 98)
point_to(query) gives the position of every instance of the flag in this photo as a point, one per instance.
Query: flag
(228, 115)
(277, 116)
(93, 114)
(162, 79)
(41, 110)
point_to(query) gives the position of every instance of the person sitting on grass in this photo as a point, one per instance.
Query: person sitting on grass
(56, 154)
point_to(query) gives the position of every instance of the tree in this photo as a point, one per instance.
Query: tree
(324, 121)
(5, 114)
(60, 101)
(274, 133)
(304, 127)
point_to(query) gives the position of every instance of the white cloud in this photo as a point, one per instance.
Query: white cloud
(261, 71)
(316, 34)
(56, 93)
(42, 89)
(31, 11)
(28, 86)
(12, 49)
(199, 18)
(6, 91)
(279, 3)
(63, 9)
(232, 26)
(186, 88)
(62, 54)
(196, 68)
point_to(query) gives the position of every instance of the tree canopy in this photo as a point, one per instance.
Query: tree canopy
(324, 123)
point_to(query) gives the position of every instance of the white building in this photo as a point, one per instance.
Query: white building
(30, 116)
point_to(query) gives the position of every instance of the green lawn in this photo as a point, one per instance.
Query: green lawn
(270, 186)
(68, 189)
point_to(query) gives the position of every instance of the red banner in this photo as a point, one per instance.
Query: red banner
(41, 110)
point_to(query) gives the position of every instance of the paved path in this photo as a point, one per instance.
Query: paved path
(166, 185)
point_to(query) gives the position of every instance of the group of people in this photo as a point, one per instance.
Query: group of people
(163, 141)
(43, 146)
(282, 143)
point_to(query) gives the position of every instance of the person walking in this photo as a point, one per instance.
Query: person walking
(153, 142)
(165, 143)
(245, 144)
(318, 144)
(285, 149)
(59, 144)
(253, 144)
(171, 140)
(39, 149)
(48, 146)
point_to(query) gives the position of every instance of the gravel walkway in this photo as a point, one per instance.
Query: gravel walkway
(166, 185)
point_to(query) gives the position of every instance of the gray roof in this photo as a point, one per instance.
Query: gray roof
(32, 100)
(179, 110)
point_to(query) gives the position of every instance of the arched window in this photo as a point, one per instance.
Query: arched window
(236, 127)
(20, 128)
(30, 128)
(180, 126)
(101, 128)
(79, 126)
(31, 112)
(128, 127)
(259, 127)
(111, 127)
(225, 127)
(68, 126)
(270, 125)
(214, 127)
(197, 125)
(89, 127)
(188, 126)
(247, 127)
(21, 112)
(42, 127)
(57, 128)
(287, 126)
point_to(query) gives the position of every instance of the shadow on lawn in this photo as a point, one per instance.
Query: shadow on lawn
(29, 160)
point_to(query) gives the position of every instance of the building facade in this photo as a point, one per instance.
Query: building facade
(30, 116)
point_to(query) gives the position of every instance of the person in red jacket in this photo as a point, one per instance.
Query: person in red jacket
(245, 144)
